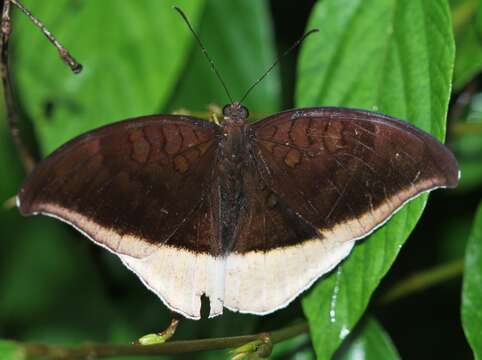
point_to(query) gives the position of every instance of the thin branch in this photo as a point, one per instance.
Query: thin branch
(175, 347)
(12, 118)
(423, 280)
(12, 115)
(66, 57)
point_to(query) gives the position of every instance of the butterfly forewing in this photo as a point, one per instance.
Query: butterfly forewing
(130, 185)
(346, 171)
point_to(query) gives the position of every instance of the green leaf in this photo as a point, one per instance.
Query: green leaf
(370, 341)
(468, 37)
(242, 49)
(391, 56)
(132, 52)
(472, 287)
(10, 350)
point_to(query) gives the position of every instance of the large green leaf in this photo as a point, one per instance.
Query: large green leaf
(391, 56)
(472, 288)
(370, 341)
(132, 51)
(242, 49)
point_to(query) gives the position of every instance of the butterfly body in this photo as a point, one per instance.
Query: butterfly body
(248, 214)
(233, 158)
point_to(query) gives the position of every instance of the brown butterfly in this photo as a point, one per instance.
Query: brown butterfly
(248, 214)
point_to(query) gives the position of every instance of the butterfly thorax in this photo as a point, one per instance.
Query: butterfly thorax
(232, 147)
(233, 157)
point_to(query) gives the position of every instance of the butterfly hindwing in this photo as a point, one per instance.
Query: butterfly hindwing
(267, 268)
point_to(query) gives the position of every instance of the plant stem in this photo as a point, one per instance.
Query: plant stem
(423, 280)
(66, 57)
(12, 115)
(175, 347)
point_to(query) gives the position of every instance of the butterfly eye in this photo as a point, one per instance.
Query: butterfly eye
(244, 112)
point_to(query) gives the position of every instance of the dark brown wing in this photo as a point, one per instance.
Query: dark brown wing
(131, 185)
(346, 171)
(321, 179)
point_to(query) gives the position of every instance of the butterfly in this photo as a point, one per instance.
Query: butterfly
(248, 214)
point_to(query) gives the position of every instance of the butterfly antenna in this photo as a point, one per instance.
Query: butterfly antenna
(294, 46)
(205, 52)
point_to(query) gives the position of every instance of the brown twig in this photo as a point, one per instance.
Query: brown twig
(68, 59)
(175, 347)
(12, 115)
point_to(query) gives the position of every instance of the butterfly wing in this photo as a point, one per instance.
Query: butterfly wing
(139, 188)
(340, 173)
(347, 171)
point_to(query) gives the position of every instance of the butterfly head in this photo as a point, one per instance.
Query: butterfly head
(235, 113)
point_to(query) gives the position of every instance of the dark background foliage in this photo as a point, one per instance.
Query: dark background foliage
(57, 287)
